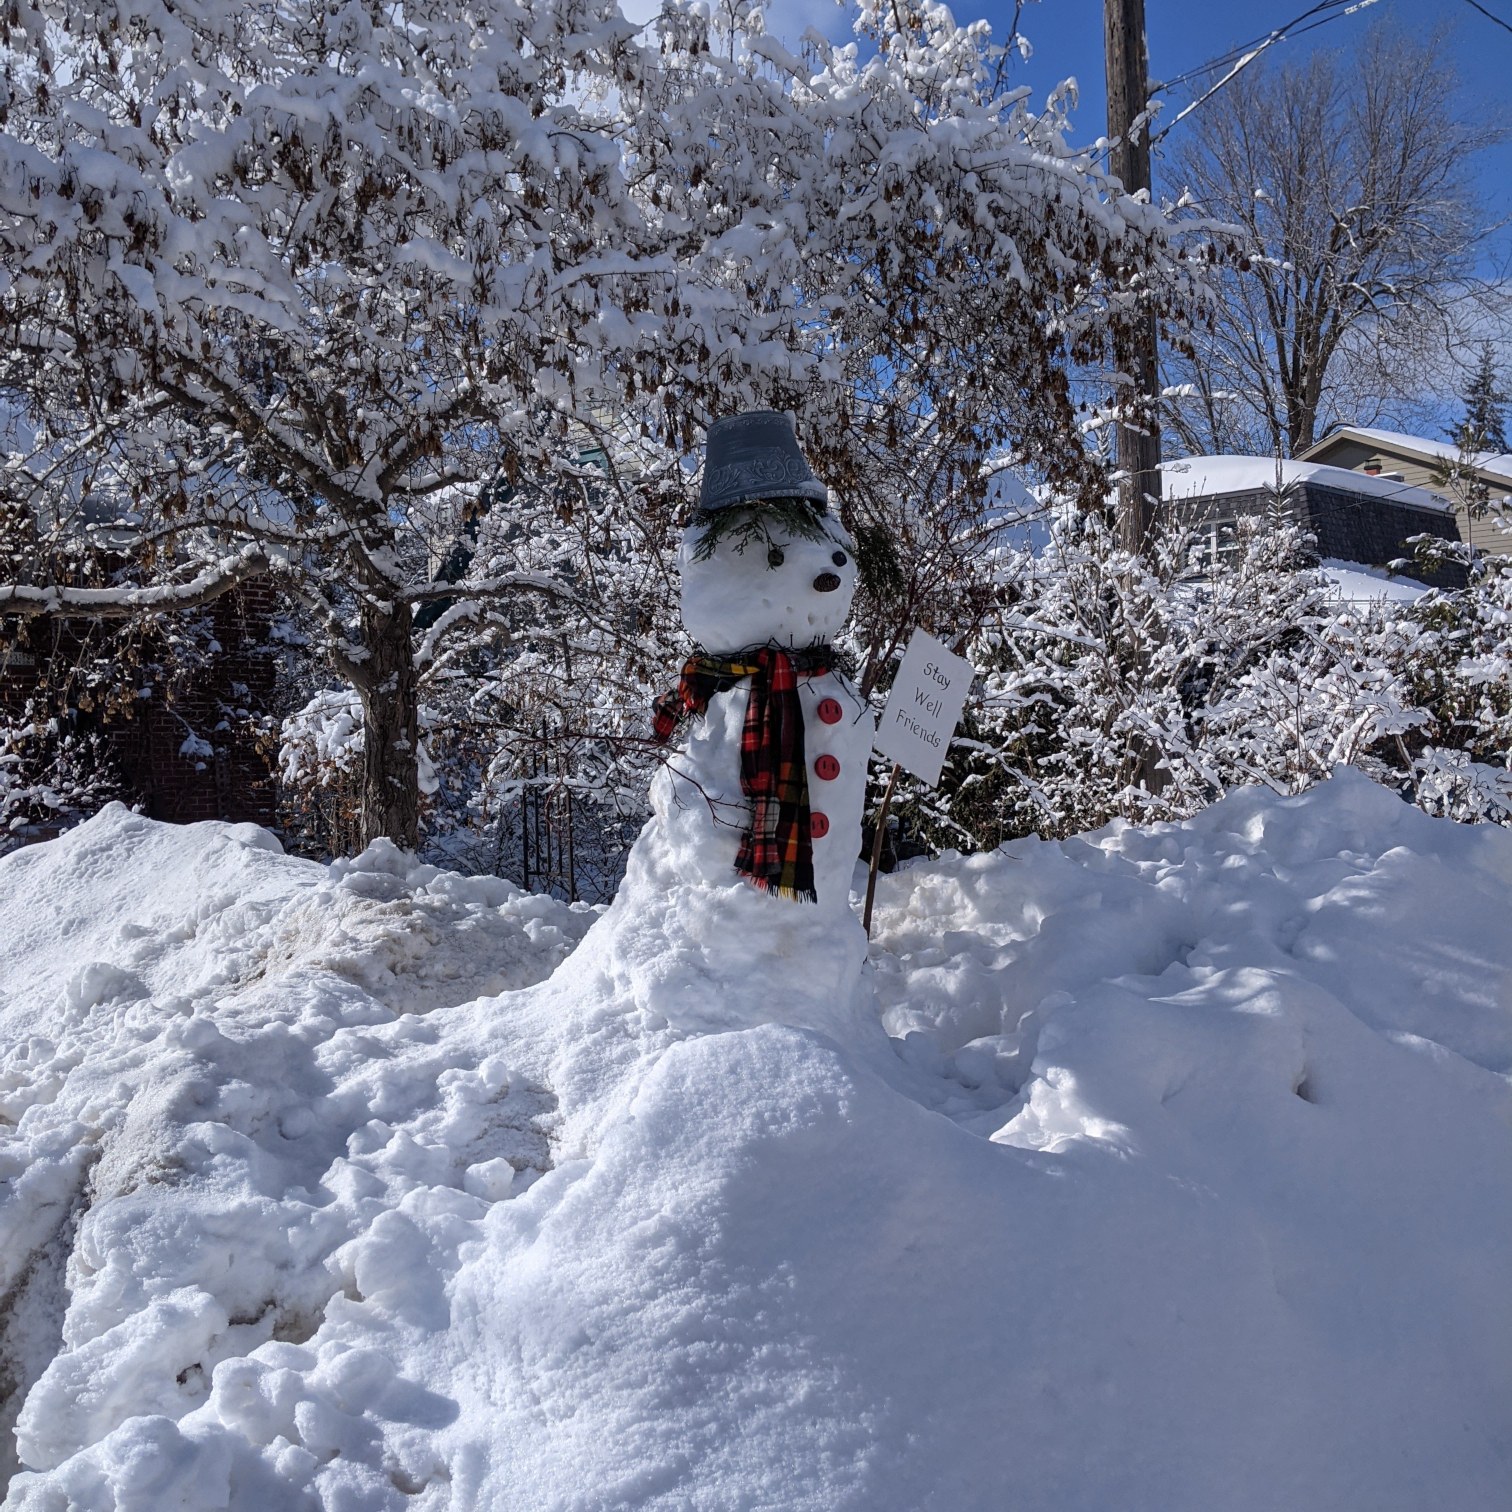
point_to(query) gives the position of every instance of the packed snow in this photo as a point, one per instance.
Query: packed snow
(1162, 1168)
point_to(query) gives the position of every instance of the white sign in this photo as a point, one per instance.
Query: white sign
(924, 706)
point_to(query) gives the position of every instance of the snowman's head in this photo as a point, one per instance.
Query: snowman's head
(775, 572)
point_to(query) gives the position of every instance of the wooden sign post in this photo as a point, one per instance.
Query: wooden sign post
(922, 712)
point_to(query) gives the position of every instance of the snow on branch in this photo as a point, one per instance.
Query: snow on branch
(498, 587)
(28, 602)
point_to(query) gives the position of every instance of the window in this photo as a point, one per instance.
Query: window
(1215, 543)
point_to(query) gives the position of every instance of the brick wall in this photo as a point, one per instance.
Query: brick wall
(233, 780)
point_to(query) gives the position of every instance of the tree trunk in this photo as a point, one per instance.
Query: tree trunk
(391, 729)
(1304, 409)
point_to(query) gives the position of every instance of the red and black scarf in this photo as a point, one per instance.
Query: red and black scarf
(777, 851)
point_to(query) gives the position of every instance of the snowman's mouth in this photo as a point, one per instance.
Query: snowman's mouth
(826, 582)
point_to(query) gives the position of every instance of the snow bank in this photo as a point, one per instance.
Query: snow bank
(192, 1026)
(1179, 1185)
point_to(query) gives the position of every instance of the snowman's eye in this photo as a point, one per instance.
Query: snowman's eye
(775, 557)
(839, 559)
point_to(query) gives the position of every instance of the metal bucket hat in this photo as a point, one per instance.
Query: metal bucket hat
(756, 456)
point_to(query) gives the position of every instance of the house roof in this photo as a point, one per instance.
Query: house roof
(1205, 477)
(1419, 447)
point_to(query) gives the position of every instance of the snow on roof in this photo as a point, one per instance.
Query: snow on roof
(1362, 585)
(1445, 451)
(1201, 477)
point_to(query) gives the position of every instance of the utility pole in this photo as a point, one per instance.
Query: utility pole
(1138, 453)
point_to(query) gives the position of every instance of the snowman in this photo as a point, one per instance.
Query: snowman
(734, 912)
(769, 790)
(735, 906)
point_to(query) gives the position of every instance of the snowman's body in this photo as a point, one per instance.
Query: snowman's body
(737, 601)
(698, 801)
(690, 945)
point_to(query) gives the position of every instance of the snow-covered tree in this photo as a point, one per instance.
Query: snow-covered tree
(289, 283)
(284, 275)
(1481, 431)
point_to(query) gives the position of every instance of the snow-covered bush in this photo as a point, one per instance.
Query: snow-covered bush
(500, 796)
(1451, 783)
(543, 714)
(1460, 669)
(50, 777)
(1144, 688)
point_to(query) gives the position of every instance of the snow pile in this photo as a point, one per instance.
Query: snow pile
(1180, 1183)
(192, 1028)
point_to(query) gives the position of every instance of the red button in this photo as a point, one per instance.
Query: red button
(830, 711)
(818, 825)
(827, 767)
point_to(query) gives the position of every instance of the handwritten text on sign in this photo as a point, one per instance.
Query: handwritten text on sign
(924, 706)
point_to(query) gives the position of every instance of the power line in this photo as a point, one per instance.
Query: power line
(1487, 14)
(1241, 59)
(1328, 10)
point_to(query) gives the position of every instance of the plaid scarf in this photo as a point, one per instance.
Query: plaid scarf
(777, 850)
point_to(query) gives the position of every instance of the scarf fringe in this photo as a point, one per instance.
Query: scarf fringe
(777, 889)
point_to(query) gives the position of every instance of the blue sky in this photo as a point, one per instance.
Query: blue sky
(1067, 38)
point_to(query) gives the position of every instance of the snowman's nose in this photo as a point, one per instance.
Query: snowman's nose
(826, 582)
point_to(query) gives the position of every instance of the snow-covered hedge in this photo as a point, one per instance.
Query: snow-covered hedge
(1118, 687)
